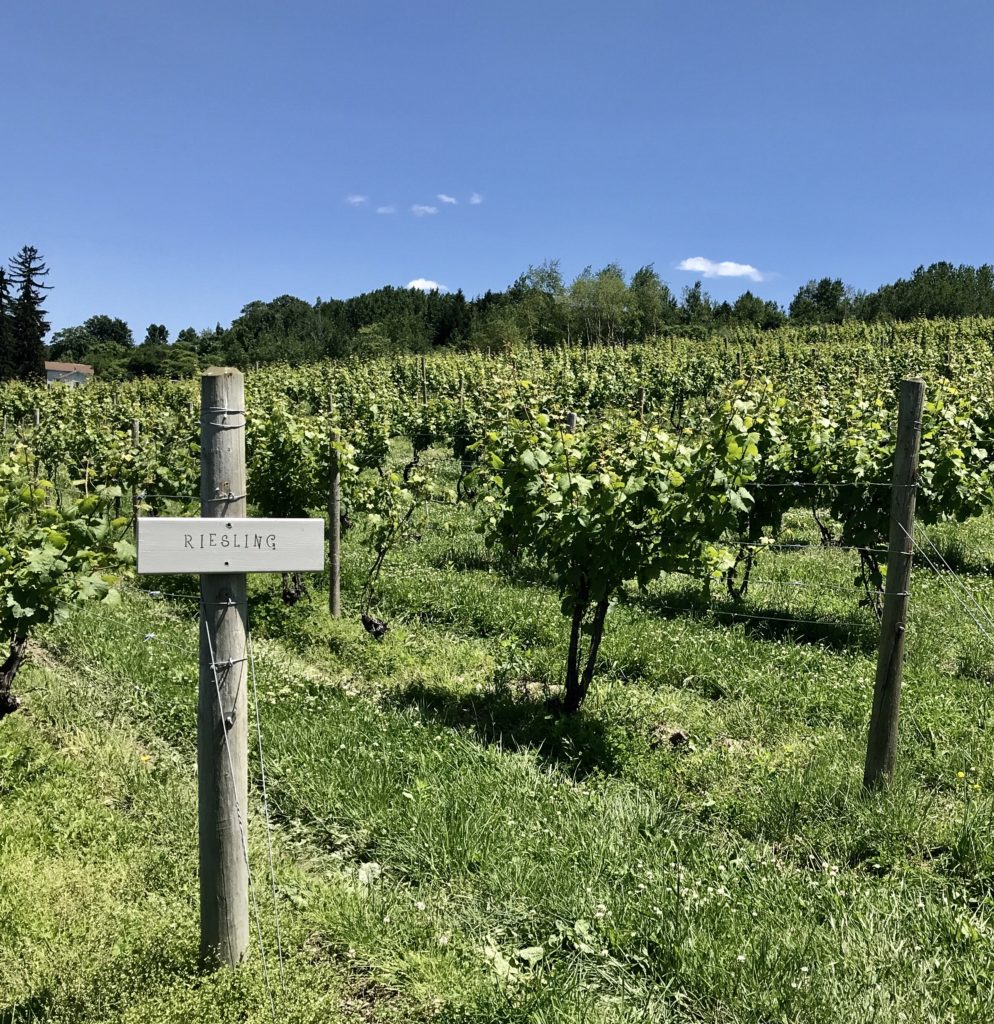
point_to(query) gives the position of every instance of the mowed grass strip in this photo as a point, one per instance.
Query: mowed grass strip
(98, 858)
(741, 875)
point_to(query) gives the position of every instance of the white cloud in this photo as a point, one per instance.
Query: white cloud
(475, 199)
(443, 198)
(386, 209)
(726, 268)
(355, 200)
(420, 210)
(424, 285)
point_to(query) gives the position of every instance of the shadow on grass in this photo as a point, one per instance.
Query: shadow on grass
(960, 557)
(517, 721)
(763, 622)
(35, 1008)
(509, 568)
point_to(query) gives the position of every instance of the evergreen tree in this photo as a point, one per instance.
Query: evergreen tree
(7, 366)
(28, 323)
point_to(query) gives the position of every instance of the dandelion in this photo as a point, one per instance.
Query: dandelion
(741, 958)
(961, 775)
(420, 905)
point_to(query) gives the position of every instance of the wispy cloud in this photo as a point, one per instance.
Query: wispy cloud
(424, 285)
(443, 198)
(356, 200)
(475, 199)
(726, 268)
(420, 210)
(386, 209)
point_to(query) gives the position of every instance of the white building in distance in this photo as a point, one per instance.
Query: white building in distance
(72, 374)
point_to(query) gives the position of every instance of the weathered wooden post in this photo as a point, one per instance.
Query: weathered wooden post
(135, 438)
(222, 708)
(334, 523)
(223, 545)
(571, 422)
(881, 747)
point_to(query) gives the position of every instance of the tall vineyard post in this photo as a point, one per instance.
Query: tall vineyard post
(334, 521)
(222, 710)
(135, 440)
(881, 746)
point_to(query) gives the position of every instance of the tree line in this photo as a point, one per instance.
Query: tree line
(540, 307)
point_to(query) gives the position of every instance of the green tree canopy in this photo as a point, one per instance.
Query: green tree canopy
(827, 301)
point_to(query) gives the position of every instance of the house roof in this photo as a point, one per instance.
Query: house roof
(82, 368)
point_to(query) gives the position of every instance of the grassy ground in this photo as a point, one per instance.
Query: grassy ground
(694, 847)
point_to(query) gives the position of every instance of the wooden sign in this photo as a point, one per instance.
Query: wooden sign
(172, 545)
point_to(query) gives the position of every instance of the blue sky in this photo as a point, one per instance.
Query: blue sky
(175, 161)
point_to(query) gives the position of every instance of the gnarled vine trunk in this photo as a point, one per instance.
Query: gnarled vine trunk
(8, 670)
(577, 683)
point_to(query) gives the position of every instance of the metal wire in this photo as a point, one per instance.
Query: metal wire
(701, 613)
(759, 546)
(824, 484)
(242, 829)
(265, 806)
(945, 580)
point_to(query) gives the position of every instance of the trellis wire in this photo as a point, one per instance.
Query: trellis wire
(944, 576)
(703, 612)
(265, 806)
(242, 830)
(265, 793)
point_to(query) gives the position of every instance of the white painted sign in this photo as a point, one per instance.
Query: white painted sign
(171, 545)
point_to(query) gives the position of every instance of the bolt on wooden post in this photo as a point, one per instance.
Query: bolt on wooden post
(881, 746)
(222, 707)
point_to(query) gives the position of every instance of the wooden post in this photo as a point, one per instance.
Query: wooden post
(571, 422)
(222, 726)
(37, 417)
(424, 381)
(135, 438)
(335, 525)
(881, 747)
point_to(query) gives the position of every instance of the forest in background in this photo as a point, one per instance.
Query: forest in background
(540, 307)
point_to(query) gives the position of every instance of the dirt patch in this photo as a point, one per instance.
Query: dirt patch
(663, 736)
(364, 997)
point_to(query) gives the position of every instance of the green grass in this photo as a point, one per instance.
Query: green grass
(695, 846)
